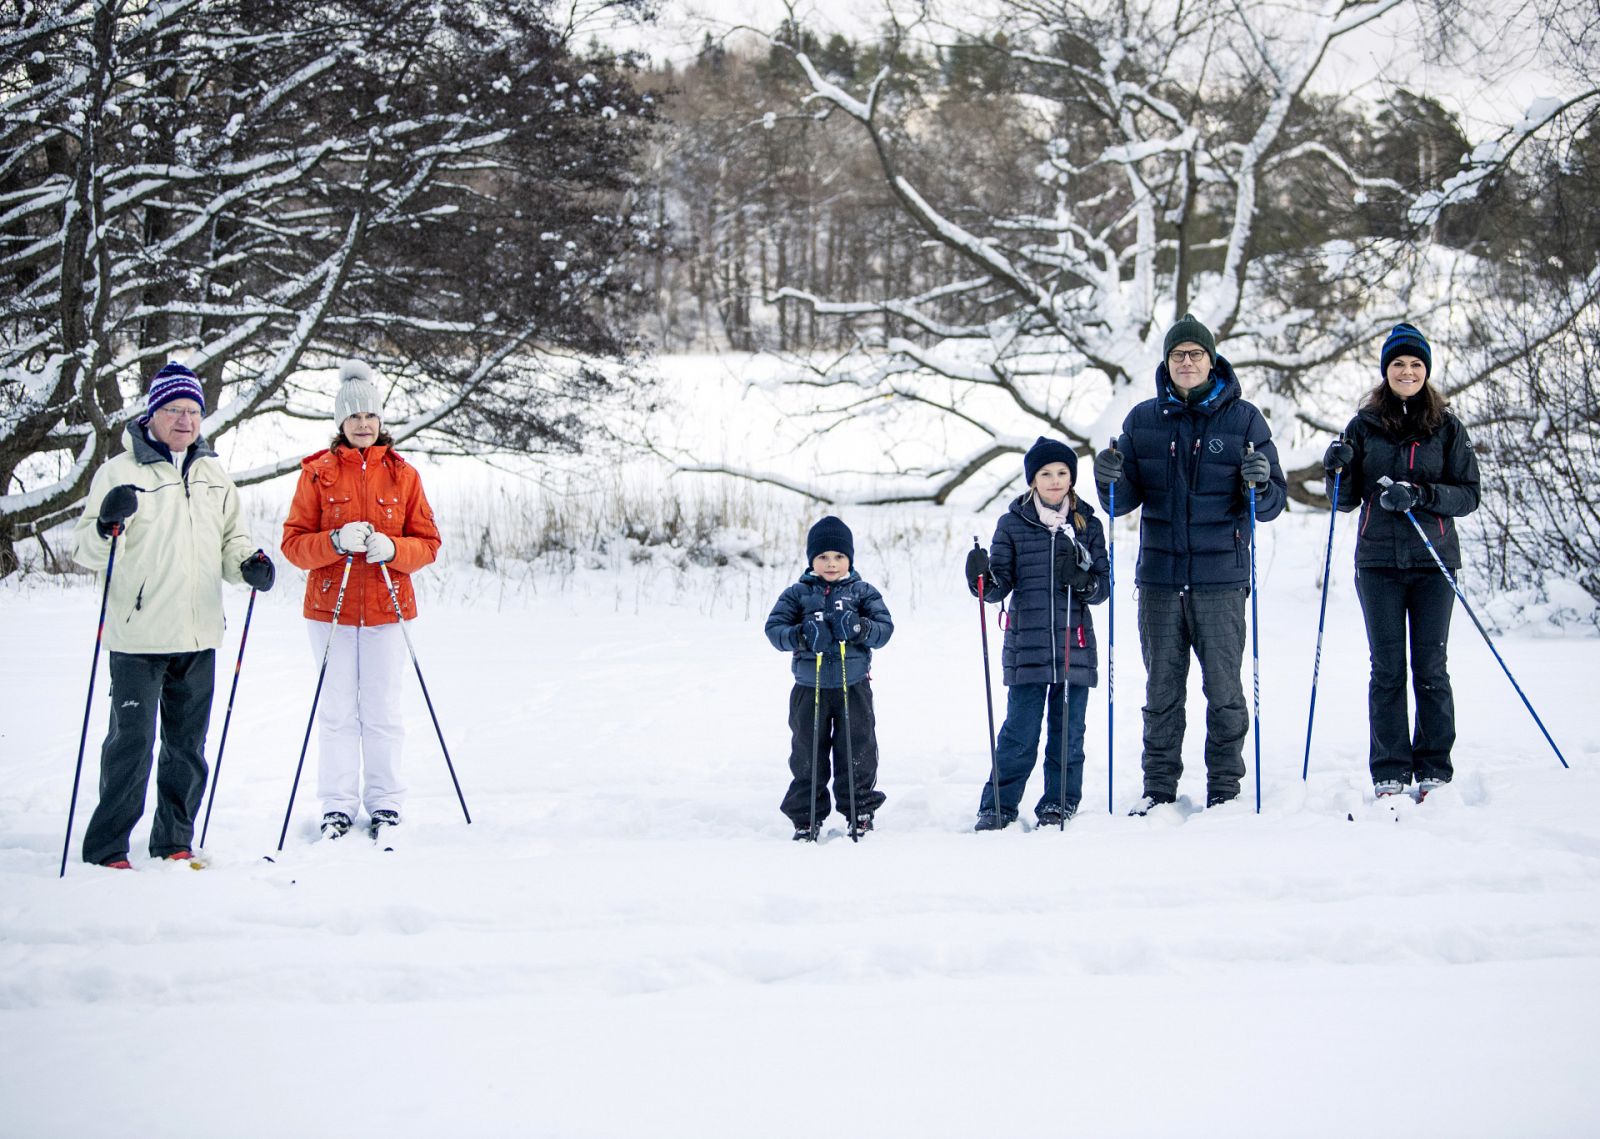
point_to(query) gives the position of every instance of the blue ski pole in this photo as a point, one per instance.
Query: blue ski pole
(1111, 651)
(1438, 561)
(1322, 616)
(1255, 635)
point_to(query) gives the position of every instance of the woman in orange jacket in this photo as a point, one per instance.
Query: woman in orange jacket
(359, 503)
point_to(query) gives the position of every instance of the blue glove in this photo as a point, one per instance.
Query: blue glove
(814, 633)
(847, 625)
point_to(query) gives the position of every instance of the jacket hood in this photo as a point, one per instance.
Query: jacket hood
(1228, 389)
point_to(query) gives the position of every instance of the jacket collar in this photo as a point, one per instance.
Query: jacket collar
(1022, 507)
(146, 450)
(810, 577)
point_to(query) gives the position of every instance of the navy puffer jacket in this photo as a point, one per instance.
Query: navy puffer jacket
(1442, 463)
(1022, 566)
(811, 595)
(1181, 464)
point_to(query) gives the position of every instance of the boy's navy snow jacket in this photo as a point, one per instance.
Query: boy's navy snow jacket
(1022, 565)
(1442, 463)
(1181, 464)
(810, 596)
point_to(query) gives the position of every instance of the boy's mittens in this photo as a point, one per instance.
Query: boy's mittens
(115, 508)
(846, 625)
(977, 566)
(814, 633)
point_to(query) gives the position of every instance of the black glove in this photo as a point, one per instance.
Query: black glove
(977, 566)
(1108, 465)
(115, 508)
(1398, 496)
(814, 633)
(1339, 456)
(1075, 570)
(1255, 470)
(258, 572)
(847, 625)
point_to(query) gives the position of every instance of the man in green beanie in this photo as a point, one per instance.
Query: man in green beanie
(1188, 457)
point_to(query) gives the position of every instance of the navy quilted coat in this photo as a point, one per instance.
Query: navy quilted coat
(1181, 464)
(812, 595)
(1022, 566)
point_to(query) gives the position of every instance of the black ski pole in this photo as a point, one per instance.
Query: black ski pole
(1322, 617)
(333, 627)
(1111, 648)
(1066, 707)
(849, 748)
(1255, 635)
(399, 616)
(1438, 561)
(94, 666)
(988, 692)
(816, 744)
(222, 746)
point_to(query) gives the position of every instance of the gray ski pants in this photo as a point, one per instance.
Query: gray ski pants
(1210, 623)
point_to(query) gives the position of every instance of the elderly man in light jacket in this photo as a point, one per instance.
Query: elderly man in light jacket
(176, 514)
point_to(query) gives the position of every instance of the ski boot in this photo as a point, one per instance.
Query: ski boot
(335, 824)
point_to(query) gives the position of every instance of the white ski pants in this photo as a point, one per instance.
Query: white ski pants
(359, 714)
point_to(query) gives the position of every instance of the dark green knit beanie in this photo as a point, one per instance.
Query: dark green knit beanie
(1189, 330)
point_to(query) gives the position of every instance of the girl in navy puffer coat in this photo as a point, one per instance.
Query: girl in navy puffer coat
(1049, 557)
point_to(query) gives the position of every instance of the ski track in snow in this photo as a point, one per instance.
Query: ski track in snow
(625, 940)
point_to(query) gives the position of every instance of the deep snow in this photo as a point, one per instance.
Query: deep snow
(626, 942)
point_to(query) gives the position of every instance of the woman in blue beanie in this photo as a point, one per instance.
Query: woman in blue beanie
(1405, 432)
(1049, 557)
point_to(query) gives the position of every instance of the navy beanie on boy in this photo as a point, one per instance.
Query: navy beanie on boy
(1045, 451)
(170, 383)
(1406, 340)
(830, 534)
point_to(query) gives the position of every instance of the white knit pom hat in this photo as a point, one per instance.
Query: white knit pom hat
(358, 392)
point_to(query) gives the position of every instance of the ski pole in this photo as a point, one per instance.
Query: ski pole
(1255, 635)
(94, 666)
(1322, 616)
(333, 627)
(816, 744)
(395, 598)
(1066, 711)
(988, 692)
(1111, 650)
(222, 746)
(849, 748)
(1438, 561)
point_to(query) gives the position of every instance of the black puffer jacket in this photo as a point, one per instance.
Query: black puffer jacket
(1442, 463)
(1181, 463)
(1022, 566)
(811, 595)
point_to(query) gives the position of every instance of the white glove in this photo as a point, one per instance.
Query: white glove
(351, 537)
(380, 548)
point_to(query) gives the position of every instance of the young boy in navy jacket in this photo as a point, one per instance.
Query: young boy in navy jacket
(831, 620)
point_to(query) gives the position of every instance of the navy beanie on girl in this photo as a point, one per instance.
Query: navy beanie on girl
(1045, 451)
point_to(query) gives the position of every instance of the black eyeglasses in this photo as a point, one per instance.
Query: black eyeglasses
(1192, 355)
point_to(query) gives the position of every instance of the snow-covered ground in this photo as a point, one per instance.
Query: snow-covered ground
(625, 942)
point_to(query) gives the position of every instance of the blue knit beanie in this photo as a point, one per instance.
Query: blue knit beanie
(830, 534)
(1405, 340)
(170, 383)
(1045, 451)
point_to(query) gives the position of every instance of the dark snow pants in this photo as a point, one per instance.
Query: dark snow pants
(180, 686)
(1017, 749)
(1211, 624)
(1396, 602)
(830, 740)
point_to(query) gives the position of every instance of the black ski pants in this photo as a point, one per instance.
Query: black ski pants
(1210, 624)
(826, 707)
(179, 685)
(1399, 604)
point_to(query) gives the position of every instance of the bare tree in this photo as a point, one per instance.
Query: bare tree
(259, 187)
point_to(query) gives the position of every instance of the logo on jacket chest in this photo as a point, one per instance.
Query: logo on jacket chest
(1215, 446)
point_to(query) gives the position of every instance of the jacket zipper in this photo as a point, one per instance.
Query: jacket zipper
(1053, 654)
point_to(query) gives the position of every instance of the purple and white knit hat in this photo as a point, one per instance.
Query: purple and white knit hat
(170, 383)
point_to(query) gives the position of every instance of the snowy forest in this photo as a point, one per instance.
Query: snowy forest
(642, 290)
